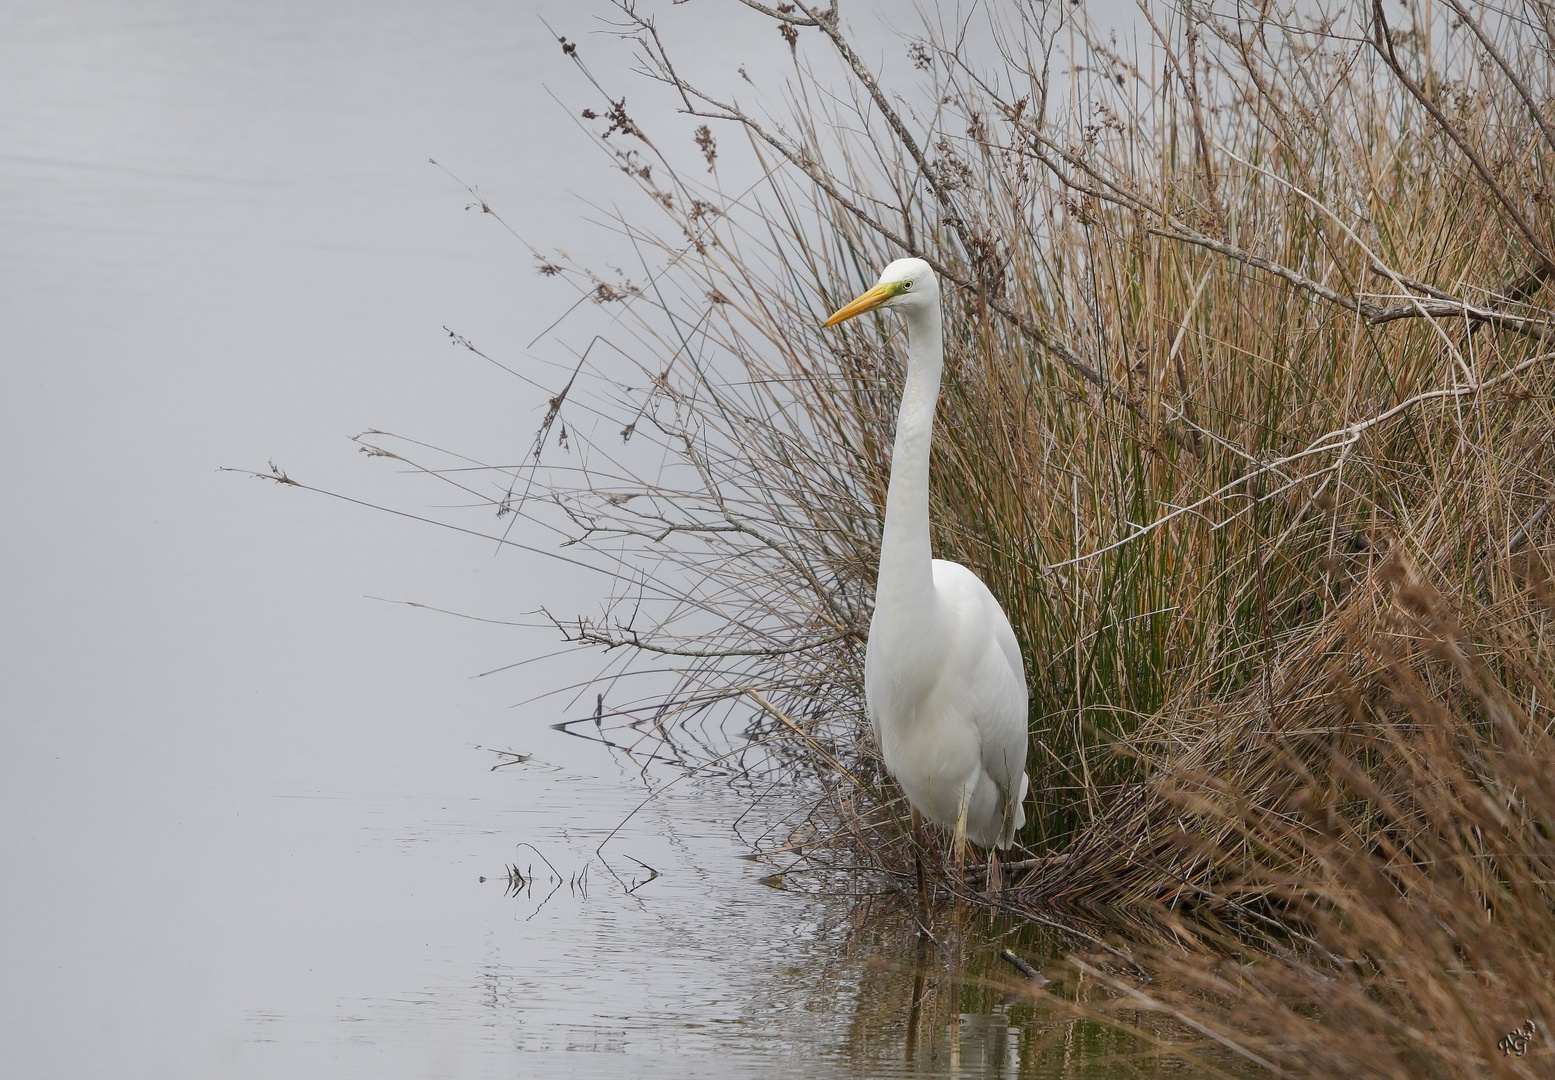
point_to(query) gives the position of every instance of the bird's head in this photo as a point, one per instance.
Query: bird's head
(906, 285)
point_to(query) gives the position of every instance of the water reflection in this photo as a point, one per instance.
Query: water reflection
(666, 956)
(948, 1007)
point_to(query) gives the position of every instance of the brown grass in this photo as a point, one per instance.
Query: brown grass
(1377, 899)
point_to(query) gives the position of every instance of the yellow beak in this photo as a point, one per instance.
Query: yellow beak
(868, 302)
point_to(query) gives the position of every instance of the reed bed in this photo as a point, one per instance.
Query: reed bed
(1251, 315)
(1376, 901)
(1247, 421)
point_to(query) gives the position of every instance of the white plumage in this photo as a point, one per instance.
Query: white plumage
(943, 676)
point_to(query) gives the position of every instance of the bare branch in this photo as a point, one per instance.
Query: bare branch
(1384, 46)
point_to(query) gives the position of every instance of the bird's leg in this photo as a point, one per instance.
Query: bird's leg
(918, 845)
(995, 873)
(960, 838)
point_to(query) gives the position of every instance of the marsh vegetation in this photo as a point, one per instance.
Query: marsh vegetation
(1247, 421)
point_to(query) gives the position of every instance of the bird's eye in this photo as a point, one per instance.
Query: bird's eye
(906, 285)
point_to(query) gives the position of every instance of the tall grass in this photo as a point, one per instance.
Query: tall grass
(1251, 311)
(1247, 421)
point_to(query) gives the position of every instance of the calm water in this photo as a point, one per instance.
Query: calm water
(247, 809)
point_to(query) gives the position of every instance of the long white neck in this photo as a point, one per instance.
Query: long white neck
(906, 582)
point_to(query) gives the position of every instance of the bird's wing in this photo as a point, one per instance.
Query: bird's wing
(977, 609)
(1004, 633)
(997, 679)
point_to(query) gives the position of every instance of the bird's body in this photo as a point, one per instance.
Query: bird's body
(943, 678)
(949, 709)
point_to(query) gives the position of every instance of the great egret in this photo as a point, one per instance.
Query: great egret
(943, 678)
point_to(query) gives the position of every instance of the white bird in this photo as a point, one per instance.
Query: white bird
(944, 682)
